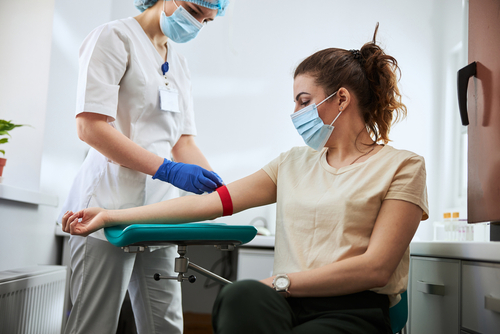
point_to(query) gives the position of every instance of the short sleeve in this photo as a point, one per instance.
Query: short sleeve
(409, 184)
(272, 168)
(103, 61)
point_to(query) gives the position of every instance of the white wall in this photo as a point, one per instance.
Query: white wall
(26, 230)
(241, 67)
(63, 152)
(24, 60)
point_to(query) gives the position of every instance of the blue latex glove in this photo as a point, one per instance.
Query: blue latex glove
(192, 178)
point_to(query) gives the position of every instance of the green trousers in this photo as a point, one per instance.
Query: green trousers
(254, 308)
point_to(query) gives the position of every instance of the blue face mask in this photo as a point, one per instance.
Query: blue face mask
(180, 27)
(311, 127)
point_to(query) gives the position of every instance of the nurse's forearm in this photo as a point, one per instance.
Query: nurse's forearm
(186, 151)
(95, 131)
(180, 210)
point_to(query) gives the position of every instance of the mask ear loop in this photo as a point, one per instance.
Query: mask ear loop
(336, 117)
(166, 1)
(327, 99)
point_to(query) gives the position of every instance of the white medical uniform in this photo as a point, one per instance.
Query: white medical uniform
(120, 75)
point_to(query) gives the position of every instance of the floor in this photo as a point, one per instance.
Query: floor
(194, 323)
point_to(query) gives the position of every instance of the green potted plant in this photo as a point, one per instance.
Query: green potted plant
(5, 128)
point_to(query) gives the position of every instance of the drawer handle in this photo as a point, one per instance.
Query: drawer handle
(431, 289)
(492, 304)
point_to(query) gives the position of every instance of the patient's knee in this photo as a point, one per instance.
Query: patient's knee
(245, 289)
(246, 294)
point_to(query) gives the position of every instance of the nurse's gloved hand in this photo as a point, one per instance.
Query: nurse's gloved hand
(192, 178)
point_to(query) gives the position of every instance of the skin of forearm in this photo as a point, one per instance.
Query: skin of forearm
(188, 152)
(180, 210)
(95, 131)
(347, 276)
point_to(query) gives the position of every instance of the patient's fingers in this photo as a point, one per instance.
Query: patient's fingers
(78, 223)
(73, 223)
(71, 218)
(65, 217)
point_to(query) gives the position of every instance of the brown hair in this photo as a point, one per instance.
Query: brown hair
(369, 74)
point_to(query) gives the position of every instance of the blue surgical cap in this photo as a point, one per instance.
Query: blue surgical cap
(220, 5)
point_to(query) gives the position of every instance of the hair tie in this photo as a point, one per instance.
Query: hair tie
(356, 53)
(357, 56)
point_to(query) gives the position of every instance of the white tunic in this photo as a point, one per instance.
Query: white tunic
(120, 75)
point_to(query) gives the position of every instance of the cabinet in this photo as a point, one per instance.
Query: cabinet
(481, 297)
(434, 295)
(255, 264)
(454, 288)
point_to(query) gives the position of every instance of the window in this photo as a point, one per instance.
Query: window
(455, 134)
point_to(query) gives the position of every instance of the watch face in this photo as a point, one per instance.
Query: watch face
(281, 283)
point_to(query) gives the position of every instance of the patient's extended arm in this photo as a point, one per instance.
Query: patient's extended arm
(252, 191)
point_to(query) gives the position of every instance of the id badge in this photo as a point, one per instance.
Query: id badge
(169, 99)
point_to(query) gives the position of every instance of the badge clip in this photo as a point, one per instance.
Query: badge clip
(164, 69)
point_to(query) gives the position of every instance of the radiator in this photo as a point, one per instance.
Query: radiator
(32, 300)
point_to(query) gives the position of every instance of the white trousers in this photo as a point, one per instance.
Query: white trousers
(101, 275)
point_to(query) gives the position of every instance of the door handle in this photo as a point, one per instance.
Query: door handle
(492, 304)
(462, 83)
(431, 289)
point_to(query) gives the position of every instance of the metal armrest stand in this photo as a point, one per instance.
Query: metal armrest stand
(182, 264)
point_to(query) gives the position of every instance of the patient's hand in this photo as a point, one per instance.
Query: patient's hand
(84, 221)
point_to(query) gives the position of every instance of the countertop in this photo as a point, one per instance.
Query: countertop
(17, 194)
(261, 241)
(477, 251)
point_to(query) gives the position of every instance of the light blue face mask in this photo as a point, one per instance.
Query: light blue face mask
(311, 127)
(180, 27)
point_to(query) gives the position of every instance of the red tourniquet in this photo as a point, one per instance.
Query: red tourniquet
(227, 203)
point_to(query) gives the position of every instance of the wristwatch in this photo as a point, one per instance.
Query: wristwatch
(281, 283)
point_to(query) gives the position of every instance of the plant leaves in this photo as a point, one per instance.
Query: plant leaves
(6, 126)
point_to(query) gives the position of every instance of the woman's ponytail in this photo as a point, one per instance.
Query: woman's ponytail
(384, 106)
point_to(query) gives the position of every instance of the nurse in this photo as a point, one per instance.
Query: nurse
(135, 110)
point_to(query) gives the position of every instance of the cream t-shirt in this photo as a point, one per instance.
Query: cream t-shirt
(326, 214)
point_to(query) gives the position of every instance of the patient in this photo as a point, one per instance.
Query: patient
(348, 206)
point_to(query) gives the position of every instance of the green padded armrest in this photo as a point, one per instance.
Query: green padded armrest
(179, 234)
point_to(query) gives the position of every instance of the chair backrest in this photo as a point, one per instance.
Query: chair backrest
(399, 314)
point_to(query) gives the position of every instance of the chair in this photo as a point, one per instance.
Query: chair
(399, 314)
(135, 238)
